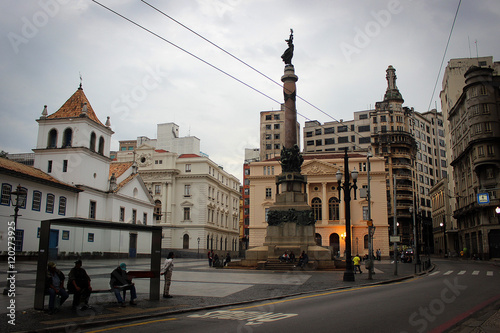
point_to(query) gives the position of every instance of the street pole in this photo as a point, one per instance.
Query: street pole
(395, 229)
(348, 273)
(370, 222)
(412, 211)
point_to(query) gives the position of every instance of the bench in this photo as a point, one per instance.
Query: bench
(141, 274)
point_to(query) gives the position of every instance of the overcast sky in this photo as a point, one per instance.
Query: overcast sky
(342, 49)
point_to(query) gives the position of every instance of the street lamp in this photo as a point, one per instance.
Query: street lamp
(443, 226)
(348, 273)
(19, 201)
(198, 247)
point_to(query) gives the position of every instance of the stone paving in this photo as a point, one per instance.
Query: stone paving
(194, 286)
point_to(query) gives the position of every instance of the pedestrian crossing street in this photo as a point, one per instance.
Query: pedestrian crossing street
(473, 273)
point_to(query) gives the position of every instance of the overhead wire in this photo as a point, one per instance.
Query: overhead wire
(211, 65)
(444, 55)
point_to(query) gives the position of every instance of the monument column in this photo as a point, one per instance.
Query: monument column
(289, 91)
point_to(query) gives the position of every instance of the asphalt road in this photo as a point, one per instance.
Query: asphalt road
(430, 303)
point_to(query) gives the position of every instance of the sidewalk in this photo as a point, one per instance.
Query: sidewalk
(194, 286)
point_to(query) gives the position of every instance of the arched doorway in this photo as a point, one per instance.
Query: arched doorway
(317, 238)
(185, 242)
(335, 244)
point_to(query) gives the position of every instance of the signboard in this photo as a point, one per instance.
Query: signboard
(483, 198)
(395, 239)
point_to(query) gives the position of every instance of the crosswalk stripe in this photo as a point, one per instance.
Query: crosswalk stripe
(461, 272)
(475, 273)
(434, 273)
(448, 273)
(489, 273)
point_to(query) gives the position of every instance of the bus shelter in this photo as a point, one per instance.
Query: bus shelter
(155, 233)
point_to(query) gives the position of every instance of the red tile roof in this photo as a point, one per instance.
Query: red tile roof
(118, 168)
(72, 108)
(20, 170)
(189, 155)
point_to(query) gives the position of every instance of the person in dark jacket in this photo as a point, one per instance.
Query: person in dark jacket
(79, 285)
(55, 286)
(120, 282)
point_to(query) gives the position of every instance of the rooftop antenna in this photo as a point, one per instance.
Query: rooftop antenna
(477, 53)
(81, 79)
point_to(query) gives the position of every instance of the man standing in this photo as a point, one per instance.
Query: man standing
(79, 285)
(119, 282)
(356, 261)
(55, 286)
(166, 270)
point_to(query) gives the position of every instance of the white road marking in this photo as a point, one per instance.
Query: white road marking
(475, 273)
(448, 273)
(252, 317)
(434, 273)
(489, 273)
(461, 272)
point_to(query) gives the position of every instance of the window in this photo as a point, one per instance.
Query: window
(276, 117)
(363, 116)
(157, 210)
(19, 240)
(317, 131)
(341, 129)
(483, 90)
(383, 119)
(90, 237)
(268, 136)
(333, 209)
(276, 136)
(319, 142)
(37, 201)
(330, 141)
(67, 137)
(247, 191)
(310, 143)
(343, 139)
(65, 235)
(316, 206)
(268, 117)
(268, 127)
(364, 128)
(52, 139)
(6, 189)
(101, 145)
(329, 130)
(276, 126)
(187, 190)
(187, 213)
(145, 218)
(122, 214)
(134, 216)
(188, 168)
(92, 142)
(62, 205)
(364, 140)
(269, 193)
(277, 146)
(65, 166)
(365, 212)
(92, 209)
(309, 134)
(49, 167)
(268, 146)
(49, 207)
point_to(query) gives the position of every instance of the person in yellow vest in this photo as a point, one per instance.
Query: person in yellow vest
(356, 261)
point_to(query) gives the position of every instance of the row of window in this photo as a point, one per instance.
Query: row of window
(68, 139)
(341, 139)
(36, 202)
(272, 117)
(134, 216)
(340, 129)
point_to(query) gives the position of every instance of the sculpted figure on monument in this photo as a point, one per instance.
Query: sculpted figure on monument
(288, 54)
(291, 159)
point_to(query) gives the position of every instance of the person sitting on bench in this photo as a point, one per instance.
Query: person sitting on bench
(120, 282)
(79, 285)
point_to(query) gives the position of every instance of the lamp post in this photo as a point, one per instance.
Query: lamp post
(19, 201)
(198, 247)
(443, 227)
(371, 228)
(348, 273)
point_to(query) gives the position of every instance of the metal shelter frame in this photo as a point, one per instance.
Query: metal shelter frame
(43, 253)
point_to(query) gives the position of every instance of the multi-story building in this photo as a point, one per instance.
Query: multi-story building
(452, 87)
(475, 136)
(196, 201)
(272, 133)
(323, 196)
(251, 155)
(353, 135)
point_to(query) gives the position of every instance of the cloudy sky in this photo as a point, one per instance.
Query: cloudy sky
(342, 49)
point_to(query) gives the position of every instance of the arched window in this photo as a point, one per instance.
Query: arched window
(208, 242)
(52, 139)
(101, 145)
(185, 242)
(335, 244)
(92, 141)
(365, 241)
(316, 206)
(67, 137)
(317, 238)
(333, 209)
(157, 210)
